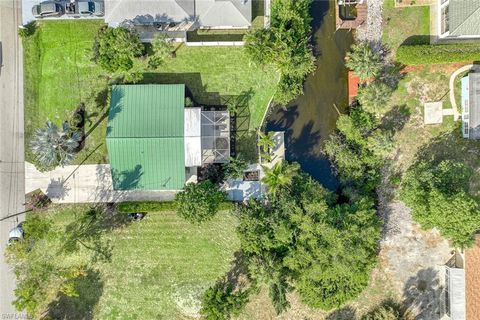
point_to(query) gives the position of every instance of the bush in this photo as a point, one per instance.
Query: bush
(115, 49)
(199, 202)
(431, 54)
(220, 302)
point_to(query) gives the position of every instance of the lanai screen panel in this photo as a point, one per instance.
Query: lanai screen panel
(215, 136)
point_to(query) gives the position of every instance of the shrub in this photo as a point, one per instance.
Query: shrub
(199, 202)
(220, 302)
(431, 54)
(115, 49)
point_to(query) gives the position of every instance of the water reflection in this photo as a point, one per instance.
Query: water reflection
(309, 119)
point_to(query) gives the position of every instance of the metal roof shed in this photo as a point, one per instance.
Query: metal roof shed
(145, 137)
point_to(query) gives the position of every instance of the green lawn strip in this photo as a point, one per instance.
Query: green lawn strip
(411, 24)
(157, 264)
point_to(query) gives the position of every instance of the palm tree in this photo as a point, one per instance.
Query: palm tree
(374, 97)
(280, 176)
(265, 142)
(53, 146)
(366, 63)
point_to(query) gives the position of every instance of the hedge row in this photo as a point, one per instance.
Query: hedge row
(154, 206)
(441, 53)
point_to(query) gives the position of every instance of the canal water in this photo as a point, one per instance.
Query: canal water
(309, 120)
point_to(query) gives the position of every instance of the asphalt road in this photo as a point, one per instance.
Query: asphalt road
(12, 175)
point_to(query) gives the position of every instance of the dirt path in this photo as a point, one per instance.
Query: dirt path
(413, 259)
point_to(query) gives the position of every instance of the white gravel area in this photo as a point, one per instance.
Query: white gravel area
(372, 29)
(412, 258)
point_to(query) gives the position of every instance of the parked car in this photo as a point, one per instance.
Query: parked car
(90, 8)
(48, 9)
(15, 234)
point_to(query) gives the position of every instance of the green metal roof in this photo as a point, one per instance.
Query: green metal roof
(464, 16)
(145, 137)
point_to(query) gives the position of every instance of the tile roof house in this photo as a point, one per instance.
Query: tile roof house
(182, 14)
(458, 19)
(471, 106)
(155, 143)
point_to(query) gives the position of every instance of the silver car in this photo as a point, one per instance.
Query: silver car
(15, 234)
(48, 9)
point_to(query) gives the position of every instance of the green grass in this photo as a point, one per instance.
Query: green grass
(59, 74)
(217, 74)
(157, 263)
(410, 24)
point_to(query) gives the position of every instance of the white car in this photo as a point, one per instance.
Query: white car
(15, 234)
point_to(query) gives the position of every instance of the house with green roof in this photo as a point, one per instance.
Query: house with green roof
(155, 143)
(458, 19)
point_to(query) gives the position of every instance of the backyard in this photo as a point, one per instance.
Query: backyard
(406, 24)
(159, 268)
(59, 75)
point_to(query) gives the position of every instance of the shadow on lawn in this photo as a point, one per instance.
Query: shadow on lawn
(89, 288)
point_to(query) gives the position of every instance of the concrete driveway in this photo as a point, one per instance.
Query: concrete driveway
(11, 144)
(90, 183)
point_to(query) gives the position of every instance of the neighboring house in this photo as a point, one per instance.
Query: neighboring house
(458, 19)
(155, 143)
(463, 284)
(176, 17)
(471, 106)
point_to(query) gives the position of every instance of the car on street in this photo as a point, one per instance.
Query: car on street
(48, 9)
(16, 234)
(92, 8)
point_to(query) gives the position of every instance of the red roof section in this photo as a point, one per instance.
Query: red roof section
(472, 281)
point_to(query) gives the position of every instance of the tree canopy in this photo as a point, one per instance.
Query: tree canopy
(437, 192)
(115, 49)
(199, 202)
(301, 239)
(364, 61)
(286, 45)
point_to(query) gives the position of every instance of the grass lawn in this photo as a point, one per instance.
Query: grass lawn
(159, 268)
(411, 24)
(59, 74)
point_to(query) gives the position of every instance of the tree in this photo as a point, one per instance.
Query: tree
(235, 168)
(285, 45)
(162, 49)
(280, 176)
(438, 194)
(302, 239)
(39, 278)
(220, 301)
(265, 143)
(199, 202)
(364, 61)
(53, 146)
(374, 97)
(115, 49)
